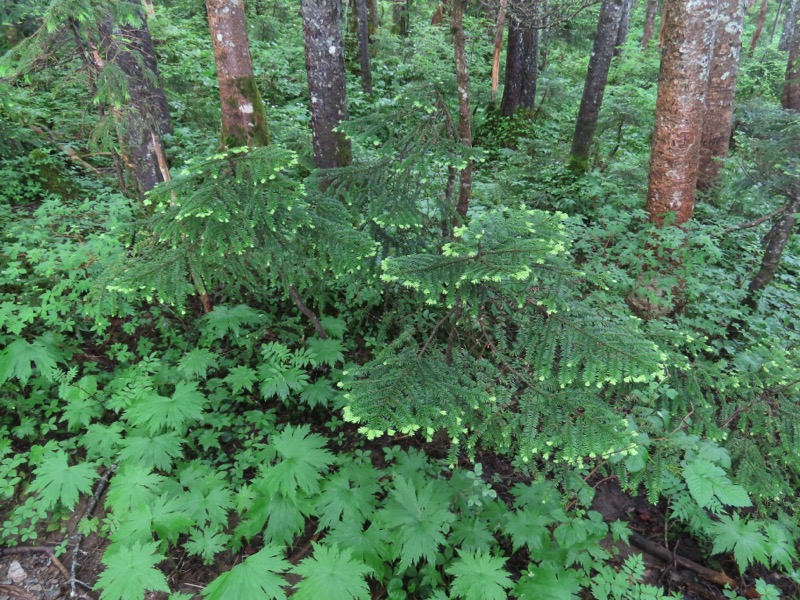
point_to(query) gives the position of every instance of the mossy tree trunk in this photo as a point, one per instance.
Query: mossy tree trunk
(790, 99)
(363, 46)
(144, 118)
(651, 11)
(522, 57)
(789, 25)
(686, 55)
(244, 116)
(401, 17)
(325, 68)
(595, 84)
(721, 89)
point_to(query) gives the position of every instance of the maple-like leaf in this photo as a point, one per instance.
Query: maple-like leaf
(548, 582)
(19, 357)
(332, 574)
(197, 362)
(255, 579)
(349, 494)
(419, 517)
(743, 537)
(479, 576)
(57, 482)
(130, 572)
(157, 413)
(132, 486)
(241, 378)
(528, 528)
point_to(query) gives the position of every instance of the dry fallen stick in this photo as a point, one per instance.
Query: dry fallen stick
(16, 592)
(101, 487)
(37, 550)
(664, 554)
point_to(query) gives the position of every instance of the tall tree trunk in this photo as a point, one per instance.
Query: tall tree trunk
(777, 239)
(778, 12)
(530, 67)
(649, 22)
(544, 36)
(624, 22)
(791, 88)
(322, 29)
(521, 58)
(363, 46)
(372, 14)
(595, 84)
(498, 48)
(789, 25)
(400, 17)
(724, 69)
(244, 116)
(464, 113)
(688, 40)
(145, 117)
(762, 15)
(515, 56)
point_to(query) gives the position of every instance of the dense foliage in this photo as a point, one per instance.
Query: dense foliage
(327, 427)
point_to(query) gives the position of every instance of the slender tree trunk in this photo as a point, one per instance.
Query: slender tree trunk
(244, 116)
(778, 237)
(363, 46)
(544, 36)
(498, 48)
(721, 90)
(145, 117)
(322, 29)
(400, 17)
(595, 84)
(789, 25)
(791, 88)
(688, 40)
(464, 113)
(624, 22)
(762, 15)
(778, 12)
(649, 22)
(372, 14)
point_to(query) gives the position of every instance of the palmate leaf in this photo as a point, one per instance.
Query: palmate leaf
(157, 452)
(224, 320)
(241, 378)
(781, 546)
(133, 485)
(327, 352)
(706, 480)
(157, 413)
(20, 356)
(197, 362)
(57, 482)
(745, 538)
(303, 460)
(348, 495)
(548, 582)
(479, 576)
(130, 572)
(528, 528)
(419, 517)
(333, 574)
(255, 579)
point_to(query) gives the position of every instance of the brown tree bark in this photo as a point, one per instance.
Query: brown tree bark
(649, 23)
(686, 56)
(762, 15)
(144, 118)
(790, 99)
(372, 17)
(363, 46)
(522, 58)
(721, 90)
(498, 48)
(777, 238)
(778, 12)
(624, 22)
(324, 44)
(244, 116)
(595, 84)
(464, 113)
(400, 17)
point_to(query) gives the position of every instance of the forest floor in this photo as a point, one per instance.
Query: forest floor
(34, 573)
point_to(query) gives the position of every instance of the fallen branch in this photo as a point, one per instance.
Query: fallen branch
(98, 492)
(69, 151)
(38, 550)
(756, 222)
(664, 554)
(16, 592)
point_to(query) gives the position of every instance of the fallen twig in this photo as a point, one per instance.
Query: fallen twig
(664, 554)
(16, 592)
(38, 550)
(98, 491)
